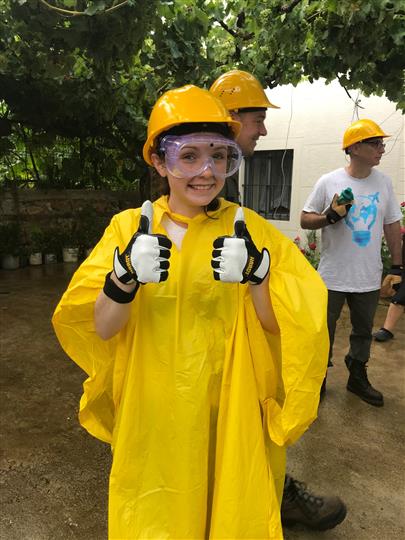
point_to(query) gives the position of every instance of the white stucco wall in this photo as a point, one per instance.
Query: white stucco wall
(311, 120)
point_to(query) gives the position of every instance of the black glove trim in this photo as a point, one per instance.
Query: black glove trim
(333, 217)
(115, 293)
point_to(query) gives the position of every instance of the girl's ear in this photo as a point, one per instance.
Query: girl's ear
(159, 164)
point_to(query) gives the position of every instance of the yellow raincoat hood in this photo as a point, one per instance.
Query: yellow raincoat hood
(196, 399)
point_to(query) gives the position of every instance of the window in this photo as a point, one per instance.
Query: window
(268, 180)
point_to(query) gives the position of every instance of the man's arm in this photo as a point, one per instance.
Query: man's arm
(313, 221)
(392, 233)
(333, 214)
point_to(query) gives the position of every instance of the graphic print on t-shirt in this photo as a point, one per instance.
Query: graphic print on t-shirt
(362, 217)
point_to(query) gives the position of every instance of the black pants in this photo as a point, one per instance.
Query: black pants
(362, 307)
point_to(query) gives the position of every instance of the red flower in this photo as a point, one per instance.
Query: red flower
(312, 246)
(403, 203)
(402, 230)
(302, 251)
(297, 239)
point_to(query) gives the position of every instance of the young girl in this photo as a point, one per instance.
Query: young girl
(203, 332)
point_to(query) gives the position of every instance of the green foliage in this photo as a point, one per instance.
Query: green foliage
(36, 239)
(362, 43)
(90, 227)
(71, 84)
(10, 238)
(76, 90)
(52, 239)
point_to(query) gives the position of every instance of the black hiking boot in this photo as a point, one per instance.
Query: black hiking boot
(301, 507)
(359, 384)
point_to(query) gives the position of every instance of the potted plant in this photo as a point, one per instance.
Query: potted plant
(10, 245)
(90, 229)
(36, 238)
(70, 242)
(52, 244)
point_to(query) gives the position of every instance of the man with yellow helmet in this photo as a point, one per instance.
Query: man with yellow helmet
(352, 229)
(244, 97)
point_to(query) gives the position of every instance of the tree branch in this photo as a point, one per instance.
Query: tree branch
(226, 27)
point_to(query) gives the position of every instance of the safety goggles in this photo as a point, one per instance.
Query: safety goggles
(377, 143)
(187, 156)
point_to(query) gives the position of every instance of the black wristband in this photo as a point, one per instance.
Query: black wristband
(397, 267)
(116, 294)
(332, 216)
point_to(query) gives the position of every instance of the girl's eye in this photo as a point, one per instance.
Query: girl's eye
(219, 155)
(188, 156)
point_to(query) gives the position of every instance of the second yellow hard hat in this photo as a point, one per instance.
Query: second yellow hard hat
(361, 130)
(240, 90)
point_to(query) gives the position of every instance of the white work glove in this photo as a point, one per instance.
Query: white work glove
(236, 259)
(145, 259)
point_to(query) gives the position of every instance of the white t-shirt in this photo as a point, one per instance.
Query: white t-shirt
(174, 231)
(351, 248)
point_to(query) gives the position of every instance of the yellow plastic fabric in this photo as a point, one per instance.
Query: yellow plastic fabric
(196, 399)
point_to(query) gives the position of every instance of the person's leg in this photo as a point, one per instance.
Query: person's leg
(393, 315)
(299, 506)
(336, 300)
(362, 308)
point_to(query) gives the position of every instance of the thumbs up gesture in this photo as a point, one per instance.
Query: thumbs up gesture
(146, 257)
(236, 259)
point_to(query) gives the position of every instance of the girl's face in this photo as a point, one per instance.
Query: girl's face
(196, 166)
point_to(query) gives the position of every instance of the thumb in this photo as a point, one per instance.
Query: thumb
(145, 221)
(239, 224)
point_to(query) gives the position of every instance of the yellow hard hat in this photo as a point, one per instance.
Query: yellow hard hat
(361, 130)
(240, 90)
(188, 104)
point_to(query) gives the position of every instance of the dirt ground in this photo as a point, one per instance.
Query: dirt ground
(54, 476)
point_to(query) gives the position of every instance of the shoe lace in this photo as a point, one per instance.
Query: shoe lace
(298, 491)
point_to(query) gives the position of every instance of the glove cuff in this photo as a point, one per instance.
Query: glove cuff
(396, 270)
(116, 294)
(333, 217)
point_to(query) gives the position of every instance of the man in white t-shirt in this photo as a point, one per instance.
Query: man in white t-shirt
(352, 231)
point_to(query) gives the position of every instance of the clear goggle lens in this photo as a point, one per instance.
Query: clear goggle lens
(187, 156)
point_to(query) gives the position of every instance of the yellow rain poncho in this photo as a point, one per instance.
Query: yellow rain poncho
(197, 401)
